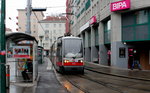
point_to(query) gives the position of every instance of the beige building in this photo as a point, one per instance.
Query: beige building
(8, 30)
(35, 17)
(49, 30)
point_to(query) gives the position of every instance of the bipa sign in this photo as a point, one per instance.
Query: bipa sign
(93, 20)
(120, 5)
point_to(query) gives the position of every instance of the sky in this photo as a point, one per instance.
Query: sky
(53, 7)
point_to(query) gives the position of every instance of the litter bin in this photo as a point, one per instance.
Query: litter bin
(7, 76)
(40, 54)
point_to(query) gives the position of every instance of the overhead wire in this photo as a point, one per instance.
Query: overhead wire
(44, 2)
(38, 20)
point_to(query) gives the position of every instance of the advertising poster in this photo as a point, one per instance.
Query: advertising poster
(21, 51)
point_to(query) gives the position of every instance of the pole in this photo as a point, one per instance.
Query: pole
(28, 25)
(2, 48)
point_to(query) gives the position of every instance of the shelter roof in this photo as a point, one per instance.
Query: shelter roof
(18, 36)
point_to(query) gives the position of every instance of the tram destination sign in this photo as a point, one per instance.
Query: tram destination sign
(21, 51)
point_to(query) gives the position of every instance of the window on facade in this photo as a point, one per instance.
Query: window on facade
(59, 25)
(96, 36)
(50, 40)
(87, 4)
(142, 17)
(46, 38)
(34, 26)
(54, 31)
(107, 29)
(54, 25)
(45, 45)
(54, 38)
(131, 30)
(89, 38)
(46, 25)
(46, 32)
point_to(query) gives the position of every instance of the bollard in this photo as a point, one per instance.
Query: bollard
(7, 76)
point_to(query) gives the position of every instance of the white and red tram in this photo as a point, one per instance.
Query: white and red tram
(67, 54)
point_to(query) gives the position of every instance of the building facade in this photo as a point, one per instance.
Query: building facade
(35, 17)
(115, 32)
(49, 30)
(68, 10)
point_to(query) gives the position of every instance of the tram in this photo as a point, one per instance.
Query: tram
(67, 54)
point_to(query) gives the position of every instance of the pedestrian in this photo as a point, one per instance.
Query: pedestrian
(136, 63)
(24, 73)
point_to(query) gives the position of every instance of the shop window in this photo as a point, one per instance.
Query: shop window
(128, 19)
(96, 37)
(107, 30)
(89, 38)
(84, 39)
(122, 52)
(141, 16)
(135, 26)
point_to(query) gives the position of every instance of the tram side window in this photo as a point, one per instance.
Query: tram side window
(59, 54)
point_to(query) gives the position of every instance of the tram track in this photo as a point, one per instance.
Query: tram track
(131, 80)
(100, 83)
(74, 80)
(120, 78)
(109, 85)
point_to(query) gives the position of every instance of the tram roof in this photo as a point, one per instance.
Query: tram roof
(18, 36)
(69, 37)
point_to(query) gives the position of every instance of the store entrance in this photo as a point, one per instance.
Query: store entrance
(134, 55)
(140, 54)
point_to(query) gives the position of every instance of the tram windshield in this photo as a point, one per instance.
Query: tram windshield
(73, 48)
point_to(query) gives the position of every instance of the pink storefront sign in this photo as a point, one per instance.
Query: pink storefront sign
(93, 20)
(120, 5)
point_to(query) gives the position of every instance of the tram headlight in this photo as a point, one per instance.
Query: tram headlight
(66, 61)
(80, 61)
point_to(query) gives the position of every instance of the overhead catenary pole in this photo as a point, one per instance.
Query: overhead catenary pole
(2, 48)
(28, 24)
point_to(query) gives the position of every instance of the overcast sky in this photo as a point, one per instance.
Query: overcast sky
(53, 7)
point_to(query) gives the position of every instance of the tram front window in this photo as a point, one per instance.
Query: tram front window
(73, 48)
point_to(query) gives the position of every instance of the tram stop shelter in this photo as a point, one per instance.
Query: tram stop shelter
(21, 54)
